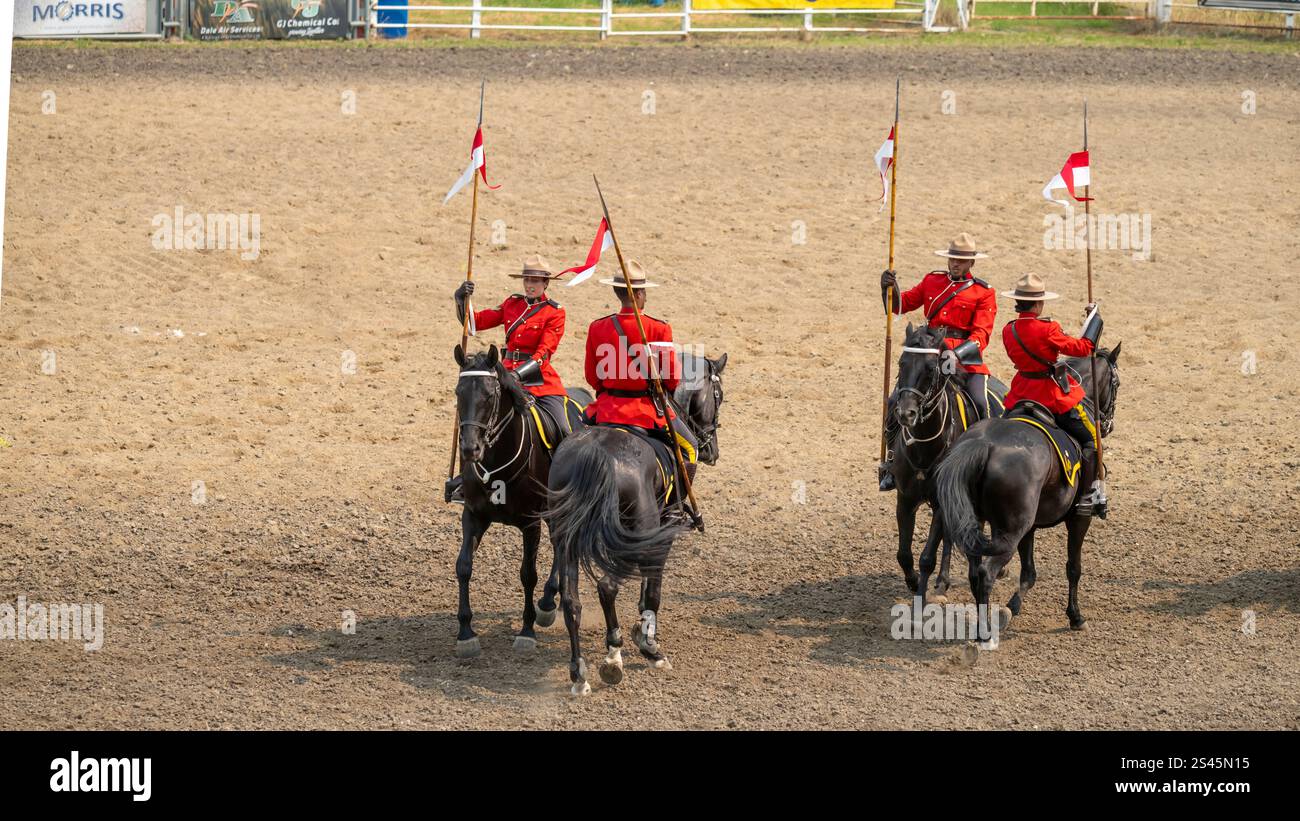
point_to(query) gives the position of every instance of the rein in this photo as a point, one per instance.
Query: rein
(492, 432)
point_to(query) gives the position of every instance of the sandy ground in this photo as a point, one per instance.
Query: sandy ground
(323, 489)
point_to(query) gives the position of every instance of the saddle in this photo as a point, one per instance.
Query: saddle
(1067, 449)
(553, 430)
(663, 456)
(994, 391)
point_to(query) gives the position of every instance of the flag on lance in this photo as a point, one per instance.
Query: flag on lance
(604, 240)
(1073, 175)
(885, 158)
(477, 163)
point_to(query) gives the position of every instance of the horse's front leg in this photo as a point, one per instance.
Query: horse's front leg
(611, 669)
(928, 557)
(905, 513)
(646, 632)
(944, 581)
(1077, 528)
(472, 528)
(546, 608)
(526, 641)
(572, 606)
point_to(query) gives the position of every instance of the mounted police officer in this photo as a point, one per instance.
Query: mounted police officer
(1034, 342)
(617, 368)
(965, 306)
(534, 326)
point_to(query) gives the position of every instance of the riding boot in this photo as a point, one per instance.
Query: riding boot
(453, 491)
(1092, 499)
(885, 469)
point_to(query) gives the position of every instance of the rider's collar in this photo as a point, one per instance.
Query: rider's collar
(532, 301)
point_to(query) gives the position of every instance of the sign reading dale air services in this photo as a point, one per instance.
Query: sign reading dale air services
(45, 18)
(268, 19)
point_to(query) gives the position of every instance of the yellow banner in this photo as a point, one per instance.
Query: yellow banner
(705, 5)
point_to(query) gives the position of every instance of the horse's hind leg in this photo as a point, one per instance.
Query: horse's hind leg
(572, 606)
(472, 529)
(611, 669)
(983, 573)
(645, 632)
(546, 608)
(1028, 575)
(1077, 528)
(526, 641)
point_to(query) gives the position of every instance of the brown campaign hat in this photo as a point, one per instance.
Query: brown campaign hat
(1030, 288)
(636, 273)
(962, 247)
(535, 266)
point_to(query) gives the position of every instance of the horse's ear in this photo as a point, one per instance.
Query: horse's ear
(1114, 355)
(719, 364)
(460, 356)
(493, 355)
(910, 329)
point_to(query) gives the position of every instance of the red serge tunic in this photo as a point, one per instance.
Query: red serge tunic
(1045, 339)
(971, 309)
(617, 364)
(528, 331)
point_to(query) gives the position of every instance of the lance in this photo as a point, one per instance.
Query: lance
(660, 397)
(469, 276)
(889, 290)
(1087, 221)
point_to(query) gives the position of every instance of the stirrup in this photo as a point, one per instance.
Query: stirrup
(1093, 503)
(885, 475)
(453, 491)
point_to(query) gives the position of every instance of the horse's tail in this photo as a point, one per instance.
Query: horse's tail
(584, 521)
(955, 480)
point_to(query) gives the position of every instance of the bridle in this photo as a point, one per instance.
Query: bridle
(704, 434)
(493, 430)
(931, 400)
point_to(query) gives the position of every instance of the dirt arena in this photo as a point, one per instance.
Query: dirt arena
(324, 489)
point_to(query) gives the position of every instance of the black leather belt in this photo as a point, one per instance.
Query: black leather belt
(1036, 374)
(956, 333)
(627, 394)
(519, 356)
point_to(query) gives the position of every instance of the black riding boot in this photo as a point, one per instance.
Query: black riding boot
(885, 470)
(1092, 501)
(453, 491)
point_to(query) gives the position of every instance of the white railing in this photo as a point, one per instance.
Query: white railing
(920, 13)
(1133, 9)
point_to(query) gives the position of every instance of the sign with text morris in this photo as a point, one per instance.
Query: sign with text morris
(268, 19)
(46, 18)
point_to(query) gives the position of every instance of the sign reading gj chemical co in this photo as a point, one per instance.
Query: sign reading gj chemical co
(43, 18)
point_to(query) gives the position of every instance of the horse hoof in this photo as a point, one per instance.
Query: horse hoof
(1004, 619)
(1082, 625)
(611, 669)
(545, 618)
(991, 644)
(580, 689)
(468, 648)
(662, 663)
(970, 654)
(937, 598)
(525, 645)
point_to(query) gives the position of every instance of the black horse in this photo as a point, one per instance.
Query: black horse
(1009, 475)
(931, 411)
(504, 469)
(611, 511)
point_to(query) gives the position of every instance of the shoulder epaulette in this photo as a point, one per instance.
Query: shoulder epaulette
(553, 303)
(979, 281)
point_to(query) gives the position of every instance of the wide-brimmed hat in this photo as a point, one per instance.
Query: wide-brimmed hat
(535, 266)
(636, 273)
(1030, 289)
(962, 247)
